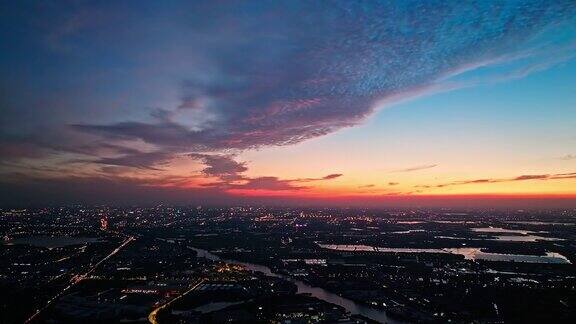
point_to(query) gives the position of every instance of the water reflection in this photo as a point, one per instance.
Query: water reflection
(470, 253)
(478, 254)
(304, 288)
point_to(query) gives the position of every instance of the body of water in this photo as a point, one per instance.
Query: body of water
(471, 253)
(477, 254)
(499, 230)
(514, 235)
(304, 288)
(525, 238)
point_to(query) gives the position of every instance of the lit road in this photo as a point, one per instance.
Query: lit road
(76, 279)
(154, 314)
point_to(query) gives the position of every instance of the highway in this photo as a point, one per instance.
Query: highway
(152, 317)
(77, 278)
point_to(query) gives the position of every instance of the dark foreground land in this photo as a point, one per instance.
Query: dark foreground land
(286, 265)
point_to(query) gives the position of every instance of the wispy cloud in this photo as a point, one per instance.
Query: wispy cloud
(326, 177)
(555, 176)
(332, 176)
(141, 160)
(416, 168)
(268, 183)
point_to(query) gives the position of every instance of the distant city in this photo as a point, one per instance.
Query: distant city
(286, 265)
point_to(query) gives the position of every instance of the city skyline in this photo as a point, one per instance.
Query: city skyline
(449, 104)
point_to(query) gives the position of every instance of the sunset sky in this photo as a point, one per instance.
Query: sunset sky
(378, 103)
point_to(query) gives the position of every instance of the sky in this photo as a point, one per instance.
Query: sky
(360, 103)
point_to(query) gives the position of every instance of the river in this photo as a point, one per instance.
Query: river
(304, 288)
